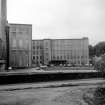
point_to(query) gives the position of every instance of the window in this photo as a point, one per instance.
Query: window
(47, 59)
(67, 56)
(26, 45)
(14, 34)
(40, 57)
(46, 54)
(57, 57)
(64, 57)
(53, 57)
(20, 32)
(61, 58)
(33, 47)
(37, 57)
(20, 43)
(46, 44)
(33, 57)
(46, 49)
(37, 52)
(34, 52)
(14, 43)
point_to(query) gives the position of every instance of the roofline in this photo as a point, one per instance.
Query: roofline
(37, 40)
(60, 39)
(19, 24)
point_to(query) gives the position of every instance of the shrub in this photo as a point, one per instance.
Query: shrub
(100, 64)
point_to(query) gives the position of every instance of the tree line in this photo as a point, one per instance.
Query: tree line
(97, 50)
(97, 56)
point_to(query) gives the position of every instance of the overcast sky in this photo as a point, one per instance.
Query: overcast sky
(61, 18)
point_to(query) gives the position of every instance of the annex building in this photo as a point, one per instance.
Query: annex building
(20, 45)
(60, 51)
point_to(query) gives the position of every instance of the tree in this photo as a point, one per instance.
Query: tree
(97, 52)
(99, 49)
(100, 64)
(91, 51)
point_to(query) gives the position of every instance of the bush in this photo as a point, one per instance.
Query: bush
(100, 64)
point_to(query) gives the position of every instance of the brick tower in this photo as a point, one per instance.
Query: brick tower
(3, 21)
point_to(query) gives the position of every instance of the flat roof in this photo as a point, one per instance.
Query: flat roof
(60, 39)
(37, 39)
(19, 24)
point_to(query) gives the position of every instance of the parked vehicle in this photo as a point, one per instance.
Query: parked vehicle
(37, 68)
(43, 67)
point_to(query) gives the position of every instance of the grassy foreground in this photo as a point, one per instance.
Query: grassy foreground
(77, 95)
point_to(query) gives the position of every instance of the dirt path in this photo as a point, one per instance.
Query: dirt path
(47, 96)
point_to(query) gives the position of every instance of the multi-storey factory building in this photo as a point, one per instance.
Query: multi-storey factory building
(64, 51)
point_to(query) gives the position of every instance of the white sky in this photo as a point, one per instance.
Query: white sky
(61, 18)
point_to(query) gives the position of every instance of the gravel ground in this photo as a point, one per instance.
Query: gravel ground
(77, 95)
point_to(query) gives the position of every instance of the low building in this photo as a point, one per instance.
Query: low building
(65, 51)
(20, 45)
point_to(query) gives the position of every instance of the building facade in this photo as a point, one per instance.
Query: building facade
(20, 46)
(65, 51)
(3, 22)
(37, 52)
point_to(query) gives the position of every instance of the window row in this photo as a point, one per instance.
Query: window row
(37, 57)
(37, 47)
(68, 57)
